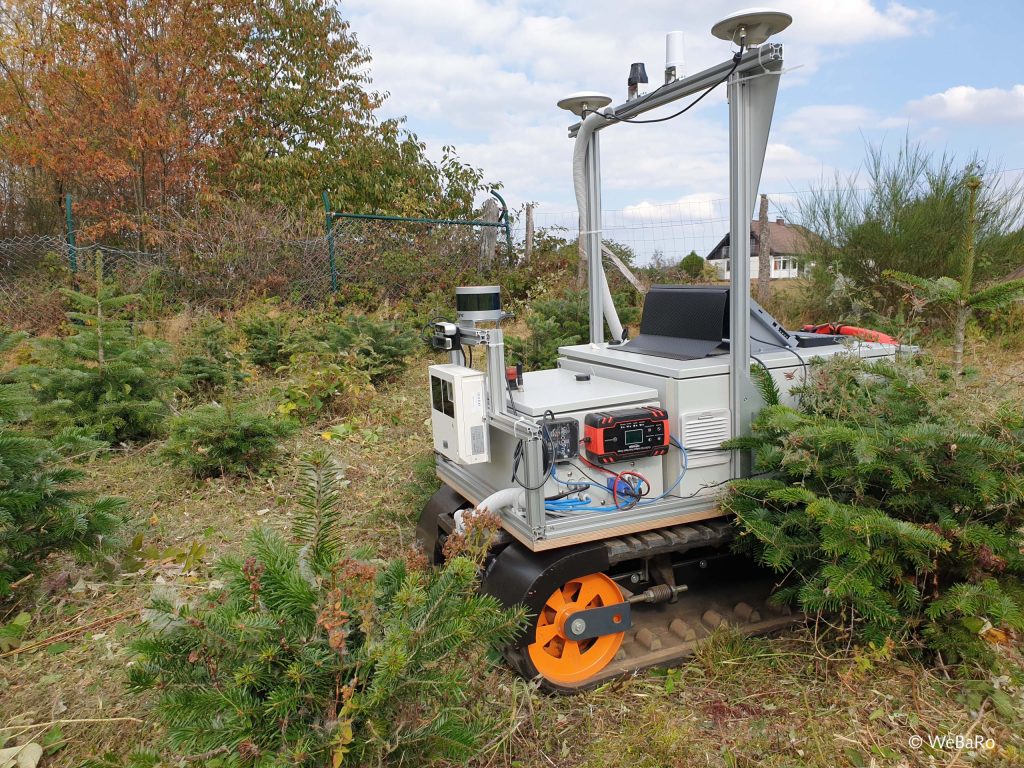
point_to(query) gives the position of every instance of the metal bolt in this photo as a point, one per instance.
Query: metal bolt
(634, 578)
(578, 626)
(702, 564)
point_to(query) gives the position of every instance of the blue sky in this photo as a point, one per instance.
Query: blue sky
(485, 77)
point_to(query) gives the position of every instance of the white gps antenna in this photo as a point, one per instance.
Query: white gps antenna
(674, 56)
(584, 101)
(751, 26)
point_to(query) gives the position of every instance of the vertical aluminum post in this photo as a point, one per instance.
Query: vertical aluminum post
(740, 194)
(535, 514)
(593, 239)
(495, 340)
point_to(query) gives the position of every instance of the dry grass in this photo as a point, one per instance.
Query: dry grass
(785, 701)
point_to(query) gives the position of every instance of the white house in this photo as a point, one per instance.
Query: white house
(787, 243)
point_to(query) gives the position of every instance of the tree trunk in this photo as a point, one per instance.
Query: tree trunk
(764, 254)
(528, 248)
(488, 236)
(963, 313)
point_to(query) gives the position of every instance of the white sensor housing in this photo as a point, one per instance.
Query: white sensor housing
(675, 59)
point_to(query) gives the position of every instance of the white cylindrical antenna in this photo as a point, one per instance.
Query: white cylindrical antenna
(675, 60)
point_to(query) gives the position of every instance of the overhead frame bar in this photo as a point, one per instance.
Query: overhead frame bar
(767, 58)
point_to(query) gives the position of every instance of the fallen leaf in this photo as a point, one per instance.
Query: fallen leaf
(22, 756)
(996, 636)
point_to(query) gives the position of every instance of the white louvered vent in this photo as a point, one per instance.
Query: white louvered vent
(702, 432)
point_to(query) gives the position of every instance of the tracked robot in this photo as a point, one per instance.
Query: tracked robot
(606, 471)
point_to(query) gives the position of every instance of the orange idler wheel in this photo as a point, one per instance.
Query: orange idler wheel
(564, 661)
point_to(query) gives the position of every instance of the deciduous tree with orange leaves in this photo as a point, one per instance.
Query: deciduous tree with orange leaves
(143, 108)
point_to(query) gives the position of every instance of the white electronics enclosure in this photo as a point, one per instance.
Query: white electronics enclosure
(458, 413)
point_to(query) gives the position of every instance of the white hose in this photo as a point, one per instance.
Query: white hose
(508, 497)
(609, 309)
(579, 183)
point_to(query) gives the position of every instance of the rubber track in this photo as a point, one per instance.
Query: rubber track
(666, 633)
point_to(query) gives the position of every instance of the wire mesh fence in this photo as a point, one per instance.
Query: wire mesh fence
(34, 270)
(373, 262)
(223, 261)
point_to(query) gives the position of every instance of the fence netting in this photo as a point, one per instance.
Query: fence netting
(373, 262)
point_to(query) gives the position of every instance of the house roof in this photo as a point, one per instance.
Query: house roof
(784, 238)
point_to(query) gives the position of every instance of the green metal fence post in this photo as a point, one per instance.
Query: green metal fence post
(70, 223)
(329, 223)
(508, 227)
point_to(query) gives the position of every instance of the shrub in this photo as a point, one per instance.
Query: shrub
(103, 377)
(307, 657)
(880, 502)
(323, 380)
(909, 214)
(209, 363)
(229, 439)
(558, 322)
(693, 265)
(382, 346)
(199, 374)
(40, 510)
(266, 331)
(334, 364)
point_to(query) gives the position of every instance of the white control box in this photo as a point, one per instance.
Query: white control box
(458, 413)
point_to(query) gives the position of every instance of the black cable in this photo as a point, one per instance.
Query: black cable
(583, 472)
(724, 482)
(566, 493)
(517, 455)
(512, 402)
(792, 351)
(735, 63)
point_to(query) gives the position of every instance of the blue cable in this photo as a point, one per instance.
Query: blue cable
(682, 474)
(579, 505)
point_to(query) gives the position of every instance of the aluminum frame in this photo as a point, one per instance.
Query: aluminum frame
(752, 87)
(751, 105)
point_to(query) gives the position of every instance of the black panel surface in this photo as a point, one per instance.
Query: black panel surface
(681, 322)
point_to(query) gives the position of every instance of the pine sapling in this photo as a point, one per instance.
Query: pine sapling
(957, 297)
(102, 376)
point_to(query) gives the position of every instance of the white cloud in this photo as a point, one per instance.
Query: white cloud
(700, 206)
(485, 76)
(966, 104)
(855, 21)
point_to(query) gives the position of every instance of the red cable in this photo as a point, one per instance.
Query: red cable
(620, 475)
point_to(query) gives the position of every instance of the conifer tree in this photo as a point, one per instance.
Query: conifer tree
(308, 657)
(40, 511)
(880, 503)
(102, 376)
(958, 296)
